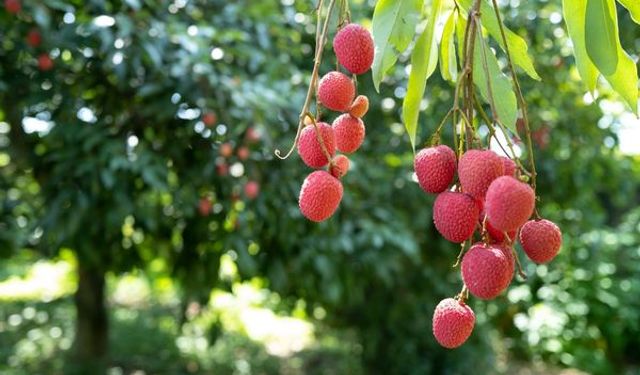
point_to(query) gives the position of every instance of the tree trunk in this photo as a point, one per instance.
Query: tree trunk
(92, 328)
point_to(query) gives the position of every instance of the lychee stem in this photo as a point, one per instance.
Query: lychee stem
(464, 293)
(521, 272)
(459, 258)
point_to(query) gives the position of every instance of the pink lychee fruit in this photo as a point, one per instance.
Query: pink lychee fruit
(453, 322)
(320, 196)
(497, 236)
(477, 169)
(243, 153)
(34, 38)
(486, 271)
(340, 166)
(226, 150)
(455, 215)
(44, 62)
(354, 48)
(336, 91)
(349, 133)
(360, 106)
(509, 203)
(541, 240)
(435, 168)
(309, 147)
(509, 166)
(251, 189)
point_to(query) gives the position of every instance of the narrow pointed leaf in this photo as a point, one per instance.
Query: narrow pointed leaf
(574, 16)
(448, 61)
(600, 35)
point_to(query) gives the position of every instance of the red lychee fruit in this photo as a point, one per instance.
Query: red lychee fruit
(222, 169)
(12, 6)
(509, 166)
(354, 49)
(340, 166)
(320, 196)
(453, 322)
(226, 150)
(455, 215)
(359, 107)
(336, 91)
(209, 119)
(486, 270)
(509, 203)
(497, 236)
(44, 62)
(309, 147)
(253, 135)
(435, 168)
(204, 206)
(34, 38)
(541, 240)
(243, 153)
(349, 133)
(477, 169)
(251, 189)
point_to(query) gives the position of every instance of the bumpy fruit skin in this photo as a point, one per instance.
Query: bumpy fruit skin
(509, 166)
(509, 203)
(349, 133)
(340, 166)
(455, 215)
(477, 169)
(541, 240)
(453, 323)
(320, 196)
(486, 271)
(310, 149)
(354, 48)
(336, 91)
(359, 107)
(435, 168)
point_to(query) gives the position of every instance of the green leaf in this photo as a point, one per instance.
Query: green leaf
(393, 28)
(517, 45)
(574, 15)
(448, 61)
(633, 6)
(625, 78)
(600, 36)
(501, 92)
(424, 60)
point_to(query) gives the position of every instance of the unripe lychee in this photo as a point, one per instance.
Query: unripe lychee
(320, 196)
(44, 62)
(453, 322)
(359, 107)
(336, 91)
(486, 271)
(354, 49)
(349, 133)
(541, 240)
(309, 147)
(455, 215)
(251, 189)
(509, 166)
(509, 203)
(477, 169)
(435, 168)
(340, 166)
(34, 38)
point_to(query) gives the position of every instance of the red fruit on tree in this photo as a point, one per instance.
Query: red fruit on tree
(509, 203)
(12, 6)
(309, 147)
(477, 169)
(455, 215)
(349, 133)
(204, 206)
(209, 119)
(34, 38)
(541, 240)
(243, 153)
(435, 168)
(359, 107)
(252, 135)
(354, 48)
(251, 189)
(339, 166)
(226, 150)
(44, 62)
(509, 166)
(336, 91)
(496, 235)
(222, 169)
(453, 323)
(320, 196)
(486, 270)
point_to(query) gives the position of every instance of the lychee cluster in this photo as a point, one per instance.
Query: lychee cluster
(318, 142)
(491, 201)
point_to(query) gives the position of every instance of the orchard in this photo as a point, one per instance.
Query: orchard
(331, 186)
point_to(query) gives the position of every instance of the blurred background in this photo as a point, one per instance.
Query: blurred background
(146, 227)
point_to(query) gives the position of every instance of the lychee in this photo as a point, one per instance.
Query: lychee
(435, 168)
(253, 135)
(509, 166)
(222, 169)
(541, 240)
(336, 91)
(477, 169)
(12, 6)
(243, 153)
(251, 189)
(34, 38)
(349, 133)
(320, 196)
(209, 118)
(44, 62)
(455, 215)
(453, 322)
(509, 203)
(359, 107)
(309, 147)
(496, 235)
(204, 206)
(340, 166)
(486, 271)
(354, 48)
(226, 150)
